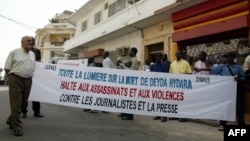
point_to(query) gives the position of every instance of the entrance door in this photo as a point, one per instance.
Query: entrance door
(151, 50)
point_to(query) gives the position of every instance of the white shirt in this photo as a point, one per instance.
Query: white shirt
(107, 63)
(201, 65)
(247, 63)
(21, 63)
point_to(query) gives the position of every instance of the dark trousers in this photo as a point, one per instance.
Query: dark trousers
(35, 107)
(240, 106)
(19, 90)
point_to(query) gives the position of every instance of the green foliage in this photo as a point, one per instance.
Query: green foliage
(52, 20)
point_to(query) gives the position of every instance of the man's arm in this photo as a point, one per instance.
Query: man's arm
(202, 69)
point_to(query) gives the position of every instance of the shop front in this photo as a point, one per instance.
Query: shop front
(215, 27)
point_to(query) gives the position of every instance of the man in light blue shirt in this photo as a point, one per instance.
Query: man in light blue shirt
(230, 68)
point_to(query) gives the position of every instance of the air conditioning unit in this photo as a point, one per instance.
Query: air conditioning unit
(123, 51)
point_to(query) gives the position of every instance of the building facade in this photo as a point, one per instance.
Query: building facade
(216, 27)
(51, 38)
(116, 26)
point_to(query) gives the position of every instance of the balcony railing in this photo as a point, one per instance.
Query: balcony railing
(57, 43)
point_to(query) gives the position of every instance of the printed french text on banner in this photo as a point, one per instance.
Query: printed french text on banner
(137, 92)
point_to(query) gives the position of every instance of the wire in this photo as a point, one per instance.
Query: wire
(19, 23)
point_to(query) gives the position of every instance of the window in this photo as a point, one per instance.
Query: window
(106, 6)
(112, 9)
(97, 18)
(121, 4)
(116, 7)
(52, 53)
(132, 1)
(84, 26)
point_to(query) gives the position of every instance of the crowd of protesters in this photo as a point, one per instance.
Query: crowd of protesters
(20, 66)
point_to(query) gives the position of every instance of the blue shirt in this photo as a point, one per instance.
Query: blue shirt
(224, 70)
(166, 66)
(162, 67)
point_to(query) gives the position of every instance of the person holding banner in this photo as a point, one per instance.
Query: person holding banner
(133, 65)
(161, 65)
(91, 63)
(201, 63)
(107, 63)
(35, 104)
(19, 67)
(230, 68)
(246, 67)
(180, 66)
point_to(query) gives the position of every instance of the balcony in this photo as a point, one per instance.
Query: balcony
(57, 43)
(53, 45)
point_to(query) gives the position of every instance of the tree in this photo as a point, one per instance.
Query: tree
(52, 20)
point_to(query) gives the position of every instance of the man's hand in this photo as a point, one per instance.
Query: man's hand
(197, 69)
(236, 78)
(128, 64)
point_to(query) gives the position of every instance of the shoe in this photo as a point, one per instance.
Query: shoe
(105, 112)
(9, 124)
(121, 115)
(18, 132)
(24, 115)
(221, 128)
(86, 110)
(173, 118)
(38, 115)
(126, 118)
(93, 111)
(164, 119)
(183, 120)
(157, 117)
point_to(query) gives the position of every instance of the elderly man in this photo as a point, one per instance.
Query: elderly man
(35, 104)
(19, 67)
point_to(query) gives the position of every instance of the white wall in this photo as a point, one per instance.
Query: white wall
(131, 40)
(130, 15)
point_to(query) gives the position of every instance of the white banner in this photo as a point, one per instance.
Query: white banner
(78, 62)
(137, 92)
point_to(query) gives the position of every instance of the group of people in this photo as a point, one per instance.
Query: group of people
(178, 66)
(227, 67)
(20, 66)
(132, 64)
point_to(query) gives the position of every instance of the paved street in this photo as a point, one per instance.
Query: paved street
(72, 124)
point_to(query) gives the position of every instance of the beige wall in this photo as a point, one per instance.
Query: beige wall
(161, 32)
(130, 40)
